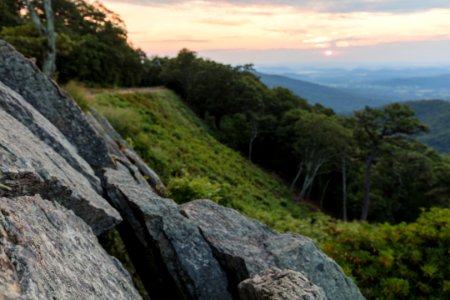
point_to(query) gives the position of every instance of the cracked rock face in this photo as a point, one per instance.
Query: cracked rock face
(22, 111)
(276, 284)
(28, 166)
(173, 258)
(245, 248)
(46, 252)
(22, 76)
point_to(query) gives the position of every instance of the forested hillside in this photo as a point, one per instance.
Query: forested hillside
(436, 114)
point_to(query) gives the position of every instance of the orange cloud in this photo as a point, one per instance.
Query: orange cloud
(200, 25)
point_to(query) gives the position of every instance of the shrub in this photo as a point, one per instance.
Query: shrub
(404, 261)
(80, 94)
(186, 188)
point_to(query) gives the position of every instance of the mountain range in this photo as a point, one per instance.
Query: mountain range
(339, 100)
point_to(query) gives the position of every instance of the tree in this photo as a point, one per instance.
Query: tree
(88, 41)
(177, 73)
(47, 32)
(318, 138)
(10, 13)
(375, 127)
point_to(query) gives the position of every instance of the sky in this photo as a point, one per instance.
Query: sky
(293, 32)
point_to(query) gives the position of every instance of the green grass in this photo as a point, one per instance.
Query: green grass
(80, 94)
(175, 143)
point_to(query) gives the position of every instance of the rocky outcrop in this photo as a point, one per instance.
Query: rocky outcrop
(22, 111)
(174, 260)
(22, 76)
(276, 284)
(199, 250)
(28, 166)
(245, 248)
(120, 150)
(46, 252)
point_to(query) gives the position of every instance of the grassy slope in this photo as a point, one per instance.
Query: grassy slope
(176, 144)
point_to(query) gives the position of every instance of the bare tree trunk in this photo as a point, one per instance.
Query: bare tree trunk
(297, 176)
(49, 63)
(311, 172)
(324, 190)
(367, 182)
(35, 17)
(308, 193)
(344, 189)
(252, 139)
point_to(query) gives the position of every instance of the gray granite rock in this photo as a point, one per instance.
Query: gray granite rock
(46, 252)
(26, 114)
(276, 284)
(28, 166)
(169, 252)
(245, 248)
(121, 150)
(22, 76)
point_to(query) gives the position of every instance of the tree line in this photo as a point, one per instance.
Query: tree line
(74, 40)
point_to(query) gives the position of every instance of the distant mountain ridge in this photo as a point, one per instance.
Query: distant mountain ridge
(339, 100)
(436, 114)
(435, 82)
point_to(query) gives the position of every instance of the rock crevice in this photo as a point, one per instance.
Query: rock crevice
(245, 248)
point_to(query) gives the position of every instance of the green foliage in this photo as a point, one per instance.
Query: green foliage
(80, 94)
(182, 151)
(392, 121)
(10, 12)
(404, 261)
(92, 44)
(212, 88)
(380, 127)
(25, 38)
(436, 114)
(187, 188)
(315, 140)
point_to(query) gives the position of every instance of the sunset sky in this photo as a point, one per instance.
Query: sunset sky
(285, 31)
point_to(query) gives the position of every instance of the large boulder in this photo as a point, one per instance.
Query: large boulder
(245, 248)
(22, 76)
(26, 114)
(28, 166)
(276, 284)
(168, 250)
(46, 252)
